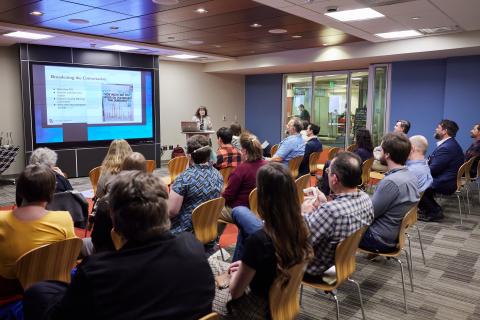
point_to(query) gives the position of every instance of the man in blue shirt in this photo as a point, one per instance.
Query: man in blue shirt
(293, 146)
(417, 164)
(312, 145)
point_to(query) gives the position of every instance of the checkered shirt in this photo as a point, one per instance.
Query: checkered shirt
(228, 156)
(334, 221)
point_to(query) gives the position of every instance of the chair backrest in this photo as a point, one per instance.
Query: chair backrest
(478, 169)
(283, 302)
(176, 166)
(53, 261)
(94, 175)
(252, 201)
(274, 149)
(460, 174)
(211, 316)
(345, 262)
(294, 165)
(151, 165)
(324, 155)
(366, 168)
(205, 219)
(408, 220)
(468, 167)
(332, 152)
(352, 147)
(313, 161)
(225, 172)
(302, 183)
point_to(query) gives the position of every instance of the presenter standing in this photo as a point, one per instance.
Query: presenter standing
(203, 120)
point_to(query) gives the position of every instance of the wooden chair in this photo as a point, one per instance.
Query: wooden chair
(406, 224)
(323, 158)
(352, 147)
(252, 201)
(462, 179)
(366, 169)
(94, 175)
(313, 161)
(225, 172)
(302, 183)
(176, 166)
(294, 165)
(274, 149)
(151, 165)
(205, 220)
(332, 152)
(345, 265)
(210, 316)
(53, 261)
(413, 222)
(283, 302)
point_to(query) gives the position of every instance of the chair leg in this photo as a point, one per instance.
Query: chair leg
(221, 253)
(459, 207)
(336, 302)
(410, 255)
(359, 296)
(301, 293)
(409, 268)
(468, 200)
(421, 245)
(403, 283)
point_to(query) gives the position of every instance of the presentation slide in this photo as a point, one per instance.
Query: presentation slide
(84, 104)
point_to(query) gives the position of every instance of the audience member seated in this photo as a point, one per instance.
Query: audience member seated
(364, 150)
(292, 146)
(117, 152)
(400, 126)
(49, 158)
(331, 222)
(394, 196)
(227, 155)
(100, 240)
(30, 225)
(305, 124)
(148, 277)
(474, 149)
(444, 163)
(270, 250)
(312, 145)
(243, 179)
(417, 164)
(200, 182)
(236, 132)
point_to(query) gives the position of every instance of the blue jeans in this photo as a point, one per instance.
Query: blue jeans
(247, 223)
(371, 243)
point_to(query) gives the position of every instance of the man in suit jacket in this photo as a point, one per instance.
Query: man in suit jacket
(312, 145)
(444, 163)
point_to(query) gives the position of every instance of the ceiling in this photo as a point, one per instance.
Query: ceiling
(225, 29)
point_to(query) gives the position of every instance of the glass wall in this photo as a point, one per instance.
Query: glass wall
(298, 92)
(378, 111)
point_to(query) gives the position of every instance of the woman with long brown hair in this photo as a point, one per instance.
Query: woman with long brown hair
(270, 249)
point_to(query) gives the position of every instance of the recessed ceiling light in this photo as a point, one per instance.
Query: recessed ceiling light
(355, 15)
(201, 10)
(114, 27)
(78, 21)
(415, 18)
(183, 56)
(399, 34)
(171, 38)
(297, 36)
(195, 41)
(255, 25)
(217, 46)
(166, 2)
(36, 13)
(277, 31)
(119, 47)
(252, 51)
(27, 35)
(325, 44)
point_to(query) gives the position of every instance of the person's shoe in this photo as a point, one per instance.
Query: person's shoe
(430, 218)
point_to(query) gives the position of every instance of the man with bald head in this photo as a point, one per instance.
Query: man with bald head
(417, 164)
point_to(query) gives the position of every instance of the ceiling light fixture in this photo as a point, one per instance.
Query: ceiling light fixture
(297, 36)
(355, 15)
(166, 2)
(171, 38)
(36, 13)
(119, 47)
(255, 25)
(415, 18)
(399, 34)
(114, 28)
(201, 10)
(324, 44)
(277, 31)
(217, 46)
(195, 41)
(27, 35)
(78, 21)
(183, 56)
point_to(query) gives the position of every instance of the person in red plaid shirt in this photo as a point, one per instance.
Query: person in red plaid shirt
(227, 154)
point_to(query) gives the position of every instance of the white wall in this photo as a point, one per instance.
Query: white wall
(184, 87)
(11, 115)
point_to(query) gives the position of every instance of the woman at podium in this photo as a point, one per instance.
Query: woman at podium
(203, 120)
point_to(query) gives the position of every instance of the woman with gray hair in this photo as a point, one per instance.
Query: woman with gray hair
(48, 157)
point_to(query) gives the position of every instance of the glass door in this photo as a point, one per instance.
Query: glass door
(298, 93)
(330, 108)
(358, 104)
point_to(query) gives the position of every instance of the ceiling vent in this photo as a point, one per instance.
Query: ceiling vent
(439, 30)
(379, 3)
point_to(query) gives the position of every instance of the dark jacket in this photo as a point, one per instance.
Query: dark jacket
(444, 163)
(166, 278)
(312, 145)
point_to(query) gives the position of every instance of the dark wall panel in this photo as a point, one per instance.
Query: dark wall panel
(95, 57)
(89, 159)
(27, 114)
(148, 150)
(67, 162)
(49, 54)
(137, 61)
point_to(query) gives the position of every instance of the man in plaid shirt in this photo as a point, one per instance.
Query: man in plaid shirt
(331, 222)
(227, 155)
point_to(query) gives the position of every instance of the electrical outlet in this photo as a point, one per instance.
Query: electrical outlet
(224, 117)
(164, 147)
(170, 147)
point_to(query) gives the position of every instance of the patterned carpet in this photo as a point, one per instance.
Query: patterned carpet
(448, 287)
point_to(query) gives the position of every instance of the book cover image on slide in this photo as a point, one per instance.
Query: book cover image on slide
(117, 102)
